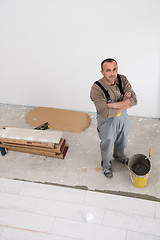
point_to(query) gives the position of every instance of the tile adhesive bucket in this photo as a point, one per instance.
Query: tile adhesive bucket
(139, 166)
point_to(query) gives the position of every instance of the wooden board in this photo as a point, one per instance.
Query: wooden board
(31, 134)
(58, 147)
(43, 138)
(34, 141)
(37, 151)
(59, 119)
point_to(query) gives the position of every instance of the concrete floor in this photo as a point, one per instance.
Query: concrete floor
(81, 166)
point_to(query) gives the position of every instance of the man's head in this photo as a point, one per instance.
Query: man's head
(109, 70)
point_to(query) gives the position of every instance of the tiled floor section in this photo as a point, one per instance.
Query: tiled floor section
(45, 212)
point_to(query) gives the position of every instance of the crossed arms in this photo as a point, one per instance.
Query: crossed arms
(124, 104)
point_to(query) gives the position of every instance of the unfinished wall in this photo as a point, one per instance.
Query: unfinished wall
(50, 50)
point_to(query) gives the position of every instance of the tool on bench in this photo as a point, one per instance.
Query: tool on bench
(43, 126)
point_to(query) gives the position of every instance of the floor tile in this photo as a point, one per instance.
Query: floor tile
(1, 230)
(53, 192)
(120, 203)
(70, 211)
(10, 186)
(12, 201)
(157, 212)
(132, 222)
(23, 220)
(140, 236)
(86, 231)
(39, 211)
(18, 234)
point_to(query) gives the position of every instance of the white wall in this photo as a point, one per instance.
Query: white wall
(51, 50)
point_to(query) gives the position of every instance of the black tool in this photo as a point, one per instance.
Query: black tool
(43, 126)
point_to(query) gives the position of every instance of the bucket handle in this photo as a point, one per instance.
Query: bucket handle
(150, 152)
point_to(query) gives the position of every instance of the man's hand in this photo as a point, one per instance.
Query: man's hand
(120, 106)
(127, 95)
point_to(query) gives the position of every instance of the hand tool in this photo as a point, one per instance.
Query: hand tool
(43, 126)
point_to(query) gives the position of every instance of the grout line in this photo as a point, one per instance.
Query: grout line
(155, 210)
(19, 193)
(103, 217)
(50, 231)
(82, 187)
(84, 199)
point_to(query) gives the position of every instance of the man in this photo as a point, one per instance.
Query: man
(112, 96)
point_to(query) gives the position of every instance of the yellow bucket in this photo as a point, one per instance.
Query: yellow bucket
(139, 167)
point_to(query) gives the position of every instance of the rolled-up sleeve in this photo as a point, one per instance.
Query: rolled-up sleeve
(128, 88)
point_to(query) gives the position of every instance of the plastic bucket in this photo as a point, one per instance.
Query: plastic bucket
(139, 167)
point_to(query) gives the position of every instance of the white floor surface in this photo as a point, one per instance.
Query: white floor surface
(34, 211)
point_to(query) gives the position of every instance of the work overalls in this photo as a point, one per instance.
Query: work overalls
(112, 132)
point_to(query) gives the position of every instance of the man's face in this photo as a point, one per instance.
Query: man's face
(109, 72)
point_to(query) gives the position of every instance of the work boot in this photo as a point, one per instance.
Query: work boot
(123, 160)
(108, 173)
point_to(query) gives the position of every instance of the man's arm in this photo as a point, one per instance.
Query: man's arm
(124, 104)
(98, 97)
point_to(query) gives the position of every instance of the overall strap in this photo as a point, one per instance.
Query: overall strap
(104, 90)
(120, 85)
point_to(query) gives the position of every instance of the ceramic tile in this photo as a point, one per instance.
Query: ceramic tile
(70, 211)
(18, 234)
(11, 201)
(86, 231)
(53, 192)
(120, 203)
(10, 186)
(132, 222)
(140, 236)
(25, 220)
(1, 230)
(157, 212)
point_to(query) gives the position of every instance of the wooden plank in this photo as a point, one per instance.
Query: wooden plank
(39, 152)
(58, 147)
(30, 136)
(23, 142)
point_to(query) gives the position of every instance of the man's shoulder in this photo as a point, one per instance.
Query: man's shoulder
(95, 85)
(122, 76)
(99, 80)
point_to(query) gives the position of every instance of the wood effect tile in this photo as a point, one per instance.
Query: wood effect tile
(86, 231)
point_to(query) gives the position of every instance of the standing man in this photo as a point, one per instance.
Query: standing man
(112, 96)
